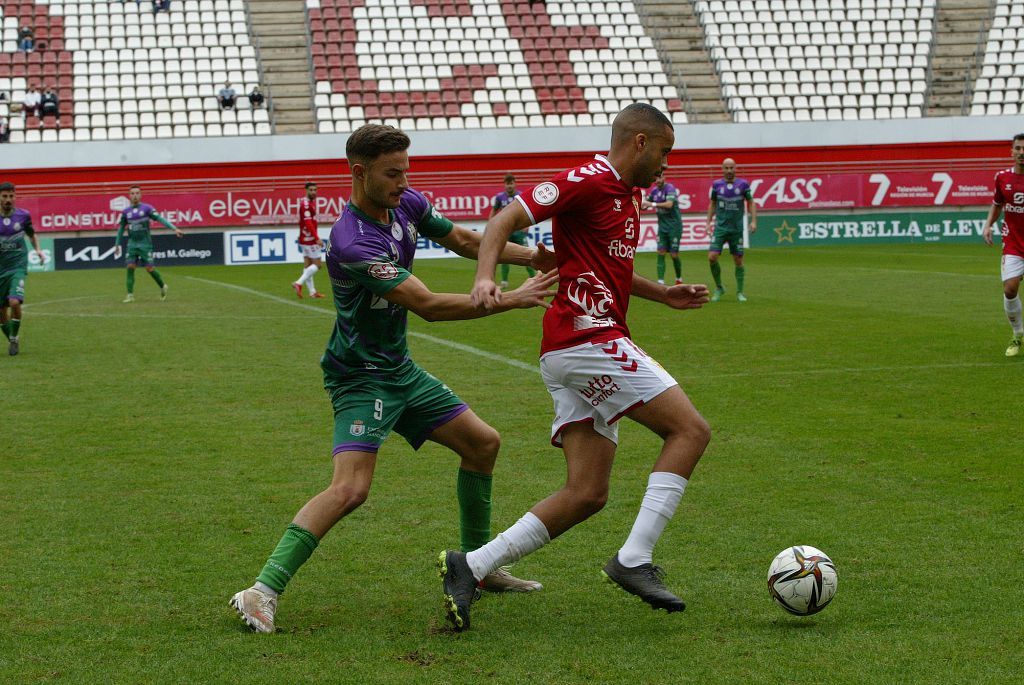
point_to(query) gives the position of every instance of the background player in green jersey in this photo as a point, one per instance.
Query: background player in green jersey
(15, 225)
(664, 198)
(135, 218)
(729, 195)
(374, 385)
(502, 200)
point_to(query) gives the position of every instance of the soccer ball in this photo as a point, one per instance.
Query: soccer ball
(802, 580)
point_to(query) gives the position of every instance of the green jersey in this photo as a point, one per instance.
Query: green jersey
(14, 227)
(365, 261)
(136, 220)
(730, 199)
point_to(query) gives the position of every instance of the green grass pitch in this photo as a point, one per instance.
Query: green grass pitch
(151, 455)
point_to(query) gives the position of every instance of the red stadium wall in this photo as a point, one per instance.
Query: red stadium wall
(844, 178)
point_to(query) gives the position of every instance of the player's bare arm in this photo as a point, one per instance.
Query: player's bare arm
(466, 243)
(495, 240)
(683, 296)
(711, 217)
(39, 251)
(415, 296)
(993, 216)
(752, 209)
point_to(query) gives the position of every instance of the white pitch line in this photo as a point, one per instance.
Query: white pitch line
(66, 299)
(135, 315)
(847, 369)
(422, 336)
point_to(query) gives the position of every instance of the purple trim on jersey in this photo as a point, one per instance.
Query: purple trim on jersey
(15, 297)
(721, 188)
(355, 447)
(19, 218)
(420, 439)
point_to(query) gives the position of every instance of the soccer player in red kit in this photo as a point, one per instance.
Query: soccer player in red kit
(1009, 199)
(309, 242)
(595, 373)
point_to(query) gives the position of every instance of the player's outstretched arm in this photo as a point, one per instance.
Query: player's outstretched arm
(415, 296)
(120, 233)
(495, 241)
(683, 296)
(993, 216)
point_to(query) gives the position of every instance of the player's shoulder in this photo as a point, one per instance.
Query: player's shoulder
(355, 239)
(414, 203)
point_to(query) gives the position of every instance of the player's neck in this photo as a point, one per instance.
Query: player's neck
(370, 209)
(1018, 168)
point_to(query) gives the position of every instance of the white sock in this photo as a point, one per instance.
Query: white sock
(664, 490)
(307, 275)
(263, 587)
(526, 535)
(1013, 314)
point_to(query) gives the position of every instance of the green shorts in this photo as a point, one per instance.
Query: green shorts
(668, 241)
(519, 237)
(722, 236)
(140, 256)
(368, 407)
(12, 286)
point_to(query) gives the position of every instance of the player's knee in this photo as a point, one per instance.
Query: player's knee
(347, 497)
(488, 443)
(695, 431)
(589, 500)
(1010, 289)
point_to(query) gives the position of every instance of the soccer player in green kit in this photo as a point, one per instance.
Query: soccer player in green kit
(502, 200)
(725, 225)
(15, 225)
(135, 219)
(374, 385)
(664, 198)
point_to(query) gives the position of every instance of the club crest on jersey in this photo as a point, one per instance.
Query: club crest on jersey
(7, 222)
(410, 229)
(383, 271)
(396, 231)
(618, 205)
(357, 428)
(545, 194)
(592, 296)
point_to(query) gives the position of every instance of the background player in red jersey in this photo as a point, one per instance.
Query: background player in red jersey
(309, 242)
(593, 370)
(1008, 198)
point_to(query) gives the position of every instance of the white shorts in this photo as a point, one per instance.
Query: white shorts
(600, 384)
(1012, 266)
(312, 251)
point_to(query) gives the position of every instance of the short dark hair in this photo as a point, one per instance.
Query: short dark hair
(370, 141)
(310, 184)
(6, 186)
(510, 178)
(134, 185)
(1019, 136)
(638, 117)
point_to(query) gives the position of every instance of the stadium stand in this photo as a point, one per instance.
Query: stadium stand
(123, 72)
(455, 64)
(801, 60)
(999, 89)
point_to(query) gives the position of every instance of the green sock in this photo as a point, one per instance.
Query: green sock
(130, 281)
(678, 266)
(504, 272)
(474, 494)
(156, 277)
(741, 272)
(716, 272)
(6, 327)
(661, 267)
(15, 327)
(531, 272)
(296, 545)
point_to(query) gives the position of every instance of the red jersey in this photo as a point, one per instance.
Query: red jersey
(307, 223)
(595, 226)
(1009, 195)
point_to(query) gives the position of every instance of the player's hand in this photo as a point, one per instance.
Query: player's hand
(753, 227)
(485, 293)
(41, 256)
(543, 259)
(534, 292)
(180, 233)
(986, 234)
(710, 228)
(687, 296)
(117, 252)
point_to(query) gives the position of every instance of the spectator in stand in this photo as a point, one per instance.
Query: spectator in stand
(256, 97)
(161, 6)
(5, 130)
(227, 96)
(49, 107)
(30, 105)
(26, 39)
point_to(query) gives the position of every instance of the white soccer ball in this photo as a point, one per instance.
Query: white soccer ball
(802, 580)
